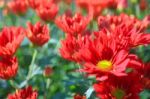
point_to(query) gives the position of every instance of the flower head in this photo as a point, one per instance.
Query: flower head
(18, 6)
(72, 25)
(103, 57)
(127, 87)
(8, 67)
(71, 46)
(26, 93)
(35, 3)
(47, 10)
(10, 40)
(78, 96)
(126, 30)
(48, 71)
(38, 33)
(95, 7)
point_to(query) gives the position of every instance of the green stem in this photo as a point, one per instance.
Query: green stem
(31, 65)
(14, 84)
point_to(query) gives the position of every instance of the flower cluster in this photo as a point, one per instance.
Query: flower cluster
(106, 54)
(105, 46)
(45, 9)
(95, 7)
(10, 40)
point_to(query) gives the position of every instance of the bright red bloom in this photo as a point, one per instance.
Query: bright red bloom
(127, 87)
(102, 57)
(95, 7)
(18, 6)
(38, 33)
(26, 93)
(126, 29)
(73, 26)
(78, 96)
(8, 67)
(10, 40)
(70, 47)
(111, 22)
(47, 11)
(35, 3)
(129, 37)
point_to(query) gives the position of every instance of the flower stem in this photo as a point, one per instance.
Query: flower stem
(31, 65)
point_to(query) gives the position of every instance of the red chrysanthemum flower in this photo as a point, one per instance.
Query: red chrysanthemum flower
(128, 37)
(26, 93)
(125, 29)
(35, 3)
(10, 40)
(47, 11)
(143, 4)
(38, 33)
(111, 22)
(127, 87)
(71, 45)
(102, 58)
(47, 71)
(95, 7)
(78, 96)
(18, 6)
(146, 76)
(8, 67)
(73, 26)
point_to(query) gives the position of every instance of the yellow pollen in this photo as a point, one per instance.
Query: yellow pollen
(104, 65)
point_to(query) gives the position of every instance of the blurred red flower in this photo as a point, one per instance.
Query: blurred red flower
(18, 6)
(8, 67)
(71, 46)
(143, 4)
(10, 40)
(78, 96)
(126, 30)
(112, 21)
(127, 87)
(35, 3)
(26, 93)
(38, 33)
(72, 26)
(146, 76)
(95, 7)
(47, 10)
(48, 71)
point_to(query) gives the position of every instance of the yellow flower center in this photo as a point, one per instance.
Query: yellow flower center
(104, 65)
